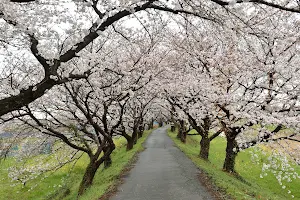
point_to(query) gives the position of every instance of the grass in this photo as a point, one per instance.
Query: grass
(63, 184)
(249, 185)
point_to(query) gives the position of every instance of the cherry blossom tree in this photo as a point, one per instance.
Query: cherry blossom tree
(35, 37)
(226, 67)
(87, 113)
(221, 68)
(134, 116)
(18, 22)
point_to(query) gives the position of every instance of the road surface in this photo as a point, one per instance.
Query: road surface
(162, 172)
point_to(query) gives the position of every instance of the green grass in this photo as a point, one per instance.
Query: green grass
(53, 188)
(249, 185)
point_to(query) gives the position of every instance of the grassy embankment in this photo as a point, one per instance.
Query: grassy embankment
(250, 185)
(53, 188)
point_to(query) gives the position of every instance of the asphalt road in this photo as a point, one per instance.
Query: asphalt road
(162, 172)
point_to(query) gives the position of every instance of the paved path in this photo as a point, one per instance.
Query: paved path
(162, 172)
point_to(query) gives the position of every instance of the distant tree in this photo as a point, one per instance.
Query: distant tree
(134, 116)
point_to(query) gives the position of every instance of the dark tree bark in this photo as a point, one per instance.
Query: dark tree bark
(205, 140)
(107, 160)
(182, 131)
(160, 123)
(130, 144)
(88, 176)
(203, 130)
(179, 132)
(183, 136)
(92, 168)
(231, 153)
(173, 121)
(204, 147)
(135, 135)
(173, 127)
(151, 124)
(141, 131)
(129, 140)
(140, 127)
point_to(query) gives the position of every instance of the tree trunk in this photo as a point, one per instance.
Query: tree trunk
(130, 143)
(231, 153)
(205, 140)
(134, 135)
(141, 131)
(173, 122)
(107, 161)
(140, 134)
(183, 136)
(160, 123)
(204, 147)
(173, 127)
(88, 176)
(128, 138)
(181, 131)
(151, 124)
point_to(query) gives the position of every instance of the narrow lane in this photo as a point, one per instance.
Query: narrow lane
(162, 172)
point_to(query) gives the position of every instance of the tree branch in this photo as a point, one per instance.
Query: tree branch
(270, 4)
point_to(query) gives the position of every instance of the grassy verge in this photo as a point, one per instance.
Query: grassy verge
(63, 184)
(249, 185)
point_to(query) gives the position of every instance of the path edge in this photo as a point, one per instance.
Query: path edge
(216, 192)
(113, 189)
